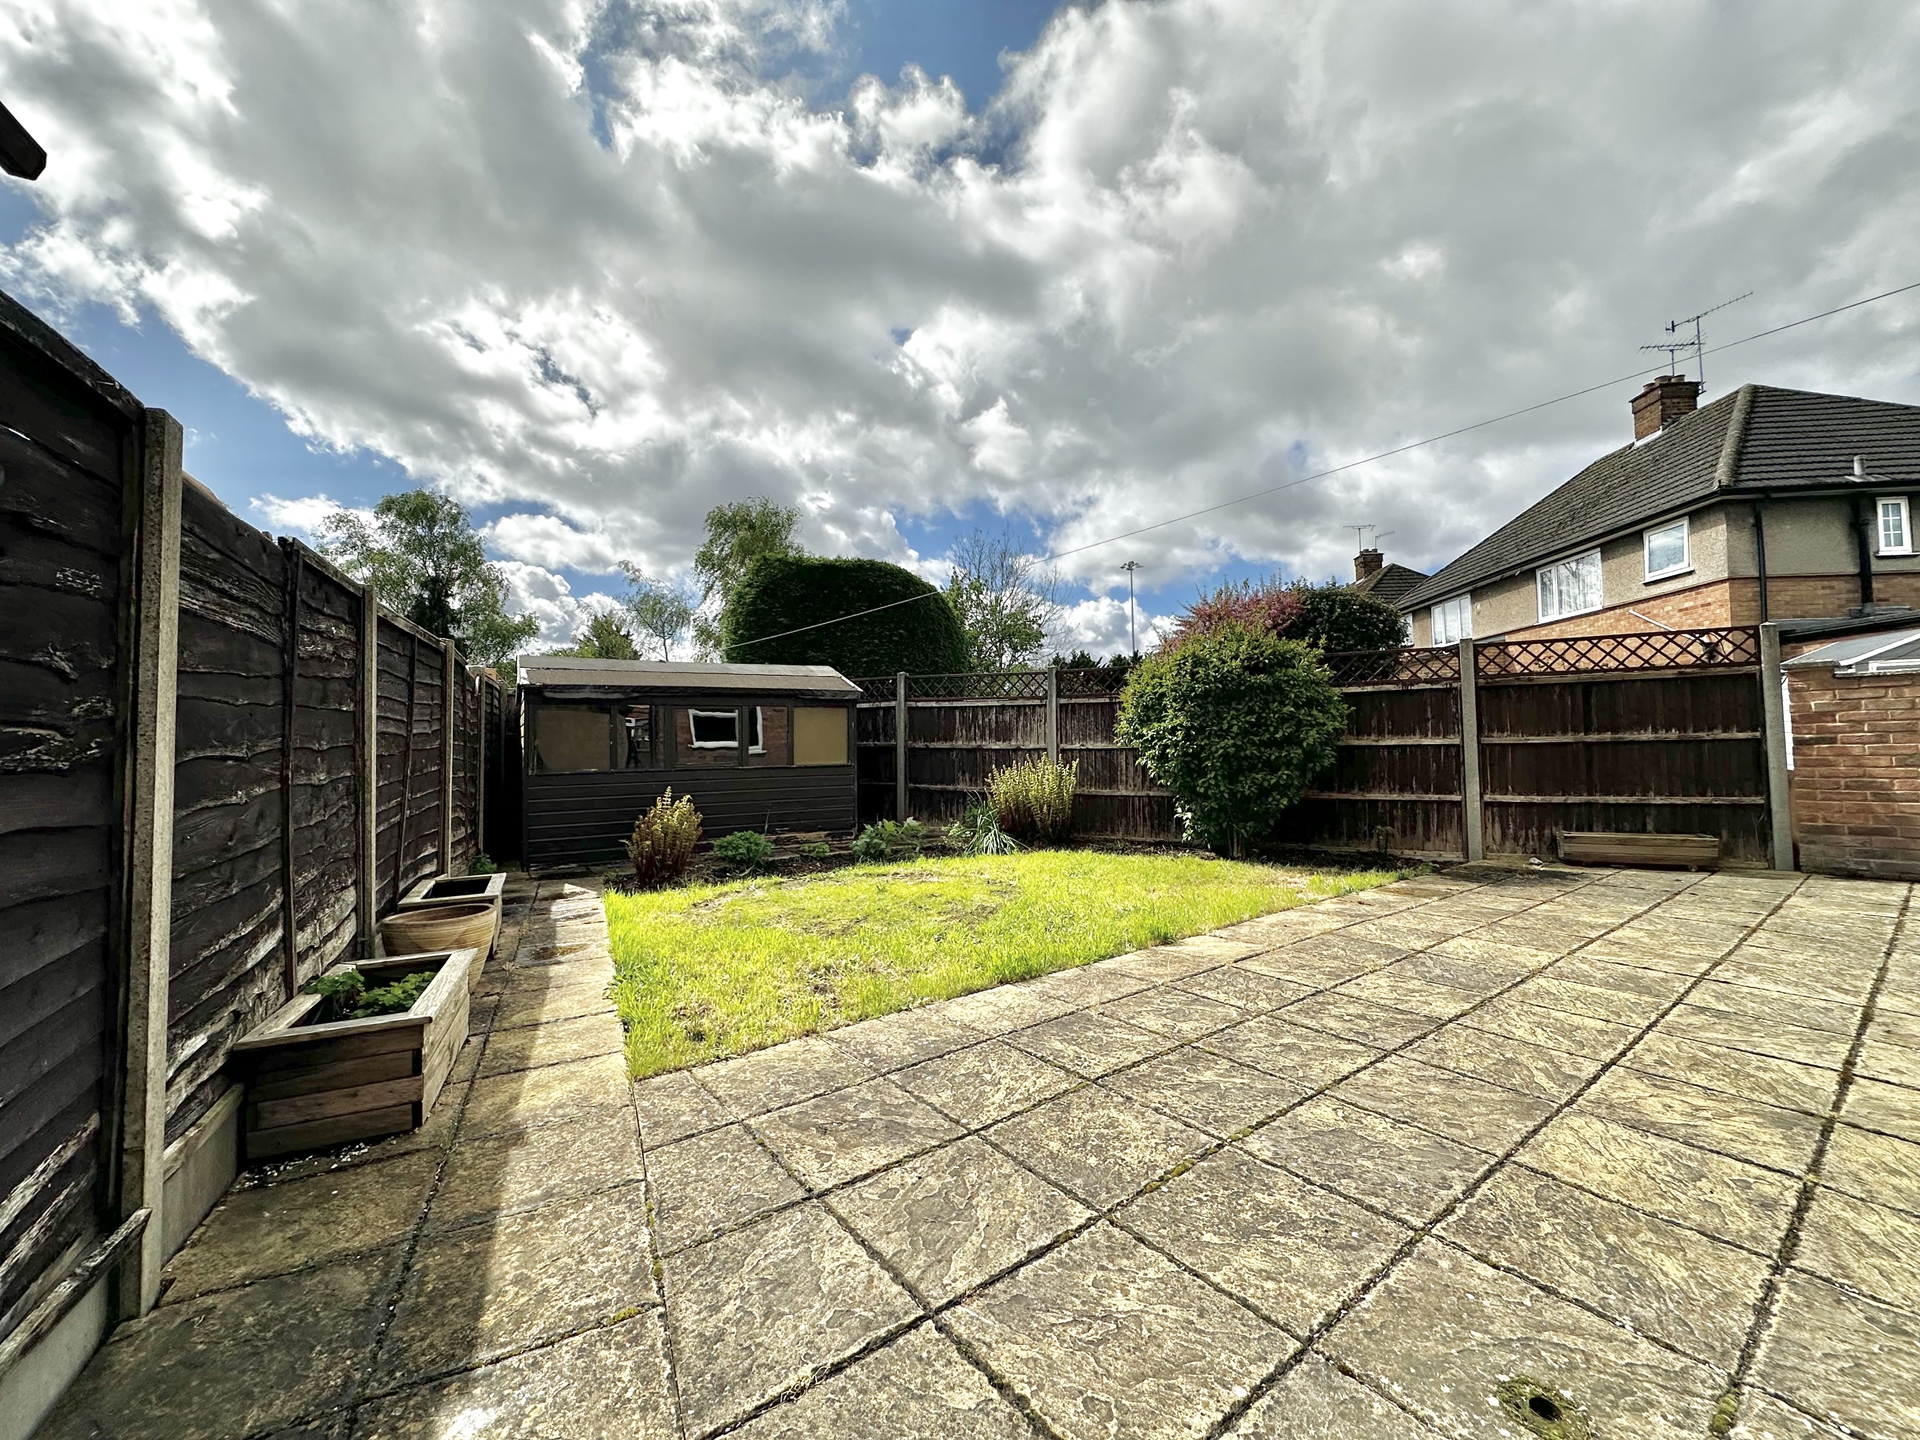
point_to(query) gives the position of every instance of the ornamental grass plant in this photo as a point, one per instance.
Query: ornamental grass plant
(1033, 800)
(663, 840)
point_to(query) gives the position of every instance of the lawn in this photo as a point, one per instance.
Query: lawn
(720, 969)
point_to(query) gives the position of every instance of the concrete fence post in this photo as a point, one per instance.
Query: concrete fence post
(369, 777)
(1472, 801)
(1053, 713)
(900, 746)
(1773, 707)
(155, 695)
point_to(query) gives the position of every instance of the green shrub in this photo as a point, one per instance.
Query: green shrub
(1033, 801)
(819, 850)
(482, 866)
(784, 592)
(663, 840)
(1236, 724)
(352, 999)
(978, 832)
(885, 840)
(1332, 617)
(748, 849)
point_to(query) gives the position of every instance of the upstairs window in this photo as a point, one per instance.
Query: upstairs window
(1453, 620)
(1666, 550)
(720, 730)
(1896, 535)
(1571, 587)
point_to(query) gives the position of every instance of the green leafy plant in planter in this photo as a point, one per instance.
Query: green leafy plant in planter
(350, 998)
(746, 849)
(978, 832)
(482, 865)
(890, 840)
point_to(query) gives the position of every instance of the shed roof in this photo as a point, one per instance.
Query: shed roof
(1753, 441)
(1893, 651)
(549, 670)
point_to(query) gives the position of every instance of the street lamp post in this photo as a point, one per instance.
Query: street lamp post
(1133, 638)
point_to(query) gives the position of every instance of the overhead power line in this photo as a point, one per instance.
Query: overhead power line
(1364, 460)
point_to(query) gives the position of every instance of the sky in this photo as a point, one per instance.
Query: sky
(917, 267)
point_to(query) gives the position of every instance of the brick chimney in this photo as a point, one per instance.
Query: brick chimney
(1662, 402)
(1367, 562)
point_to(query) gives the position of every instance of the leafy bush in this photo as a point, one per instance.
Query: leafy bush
(482, 865)
(748, 849)
(784, 592)
(1236, 724)
(352, 999)
(1033, 800)
(663, 839)
(978, 832)
(819, 850)
(887, 840)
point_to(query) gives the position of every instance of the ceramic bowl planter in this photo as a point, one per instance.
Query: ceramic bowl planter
(461, 926)
(313, 1082)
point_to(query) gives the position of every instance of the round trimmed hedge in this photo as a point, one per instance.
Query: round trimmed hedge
(785, 592)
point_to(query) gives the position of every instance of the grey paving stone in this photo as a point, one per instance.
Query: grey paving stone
(853, 1132)
(233, 1363)
(523, 1169)
(1360, 1020)
(762, 1309)
(1245, 989)
(479, 1293)
(1474, 1112)
(1406, 1172)
(1850, 1360)
(1551, 990)
(1790, 975)
(1726, 1198)
(894, 1041)
(984, 1083)
(1003, 1007)
(1586, 969)
(1665, 1281)
(1744, 1129)
(1395, 988)
(553, 1094)
(1289, 1249)
(1890, 1109)
(1778, 1036)
(527, 1001)
(1895, 1064)
(1325, 961)
(1316, 1402)
(1201, 1088)
(1761, 1417)
(1169, 1011)
(674, 1106)
(1308, 1057)
(1736, 1072)
(1530, 1024)
(1443, 1332)
(1088, 1042)
(1806, 1012)
(712, 1181)
(1501, 1060)
(916, 1386)
(780, 1076)
(1871, 1248)
(949, 1220)
(610, 1381)
(1105, 1338)
(1477, 976)
(1097, 1146)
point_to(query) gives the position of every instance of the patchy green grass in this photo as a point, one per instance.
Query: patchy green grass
(715, 970)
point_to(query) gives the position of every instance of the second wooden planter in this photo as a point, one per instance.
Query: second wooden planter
(313, 1082)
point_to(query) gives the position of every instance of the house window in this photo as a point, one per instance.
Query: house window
(1453, 620)
(1667, 551)
(1896, 538)
(720, 730)
(1571, 587)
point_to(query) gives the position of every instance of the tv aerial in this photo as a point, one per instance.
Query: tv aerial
(1698, 344)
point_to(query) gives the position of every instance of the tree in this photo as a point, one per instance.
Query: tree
(1334, 617)
(660, 615)
(423, 556)
(737, 535)
(862, 617)
(1007, 600)
(602, 638)
(1327, 617)
(1236, 724)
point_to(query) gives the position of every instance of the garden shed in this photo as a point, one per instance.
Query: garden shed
(758, 747)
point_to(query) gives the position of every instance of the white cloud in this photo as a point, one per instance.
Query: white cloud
(1099, 626)
(532, 590)
(603, 262)
(301, 516)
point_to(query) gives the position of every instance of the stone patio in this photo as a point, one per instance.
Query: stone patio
(1493, 1153)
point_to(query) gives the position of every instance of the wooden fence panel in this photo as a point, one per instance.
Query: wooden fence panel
(326, 789)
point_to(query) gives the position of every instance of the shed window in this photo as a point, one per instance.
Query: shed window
(1571, 587)
(1896, 536)
(720, 730)
(1666, 550)
(1453, 620)
(571, 737)
(820, 735)
(638, 723)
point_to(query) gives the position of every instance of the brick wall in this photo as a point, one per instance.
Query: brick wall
(1856, 775)
(1732, 602)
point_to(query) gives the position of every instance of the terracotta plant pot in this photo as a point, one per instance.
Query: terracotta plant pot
(469, 925)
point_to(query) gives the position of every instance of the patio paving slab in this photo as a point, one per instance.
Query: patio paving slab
(853, 1132)
(1315, 1401)
(985, 1083)
(1411, 1174)
(1200, 1088)
(1097, 1146)
(1848, 1359)
(710, 1182)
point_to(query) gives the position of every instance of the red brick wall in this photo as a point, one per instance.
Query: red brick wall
(1733, 602)
(1856, 775)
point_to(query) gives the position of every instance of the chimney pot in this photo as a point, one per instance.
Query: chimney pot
(1662, 402)
(1367, 562)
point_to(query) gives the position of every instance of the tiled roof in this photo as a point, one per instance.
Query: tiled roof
(1790, 439)
(1389, 582)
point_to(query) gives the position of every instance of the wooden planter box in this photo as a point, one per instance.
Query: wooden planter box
(444, 889)
(312, 1083)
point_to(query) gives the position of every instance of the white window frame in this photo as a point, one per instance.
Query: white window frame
(1898, 503)
(1544, 571)
(1686, 549)
(756, 730)
(1461, 608)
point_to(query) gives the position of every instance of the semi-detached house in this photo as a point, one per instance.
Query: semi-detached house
(1767, 504)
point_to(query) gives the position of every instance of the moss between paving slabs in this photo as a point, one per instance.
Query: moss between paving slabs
(715, 970)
